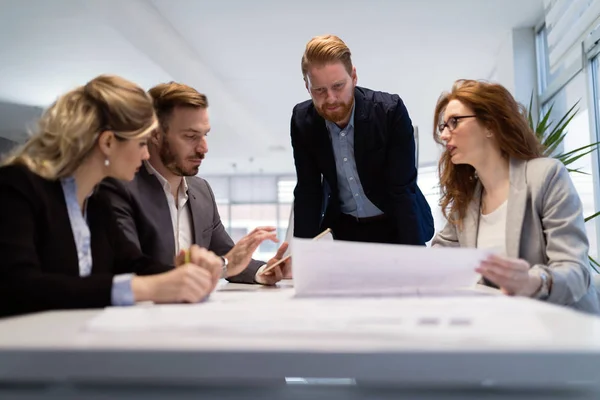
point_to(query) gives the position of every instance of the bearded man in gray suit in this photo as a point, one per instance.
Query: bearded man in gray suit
(167, 208)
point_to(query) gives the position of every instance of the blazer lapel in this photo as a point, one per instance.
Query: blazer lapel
(471, 220)
(68, 236)
(517, 201)
(156, 203)
(361, 129)
(325, 149)
(197, 210)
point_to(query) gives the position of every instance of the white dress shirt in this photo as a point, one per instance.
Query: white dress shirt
(181, 216)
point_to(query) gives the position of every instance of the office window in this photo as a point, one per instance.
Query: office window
(224, 214)
(578, 136)
(285, 212)
(541, 47)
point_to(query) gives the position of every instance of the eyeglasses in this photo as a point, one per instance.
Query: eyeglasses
(452, 122)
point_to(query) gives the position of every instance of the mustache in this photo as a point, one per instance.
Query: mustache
(198, 156)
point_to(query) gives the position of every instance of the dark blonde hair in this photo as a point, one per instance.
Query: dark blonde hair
(167, 96)
(68, 130)
(497, 110)
(326, 49)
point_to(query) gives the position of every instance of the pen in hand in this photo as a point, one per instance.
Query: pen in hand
(284, 259)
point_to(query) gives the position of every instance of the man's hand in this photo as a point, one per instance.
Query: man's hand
(240, 255)
(282, 271)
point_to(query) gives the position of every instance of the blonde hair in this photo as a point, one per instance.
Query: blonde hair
(68, 130)
(167, 96)
(326, 49)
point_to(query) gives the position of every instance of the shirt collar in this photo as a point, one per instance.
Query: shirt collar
(71, 183)
(163, 181)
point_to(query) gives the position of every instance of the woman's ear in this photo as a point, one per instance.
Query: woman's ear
(106, 142)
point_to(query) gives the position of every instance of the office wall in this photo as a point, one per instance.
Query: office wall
(6, 145)
(515, 66)
(16, 120)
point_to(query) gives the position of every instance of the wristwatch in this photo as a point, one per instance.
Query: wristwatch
(224, 267)
(544, 291)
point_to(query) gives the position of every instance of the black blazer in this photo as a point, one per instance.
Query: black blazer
(384, 149)
(39, 268)
(143, 214)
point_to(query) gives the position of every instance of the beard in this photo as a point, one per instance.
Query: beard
(175, 164)
(338, 115)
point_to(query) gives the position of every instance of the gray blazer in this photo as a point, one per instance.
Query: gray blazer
(142, 212)
(544, 226)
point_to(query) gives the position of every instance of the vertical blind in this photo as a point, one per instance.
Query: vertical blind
(567, 23)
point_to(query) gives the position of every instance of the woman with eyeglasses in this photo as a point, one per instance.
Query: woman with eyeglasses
(498, 192)
(61, 247)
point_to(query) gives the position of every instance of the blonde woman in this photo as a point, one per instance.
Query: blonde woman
(61, 248)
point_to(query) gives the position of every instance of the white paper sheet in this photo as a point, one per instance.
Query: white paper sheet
(278, 314)
(351, 268)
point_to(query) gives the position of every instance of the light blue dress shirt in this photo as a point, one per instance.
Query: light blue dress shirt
(121, 293)
(352, 196)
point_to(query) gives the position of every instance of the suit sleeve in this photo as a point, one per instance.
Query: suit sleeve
(403, 193)
(308, 194)
(447, 237)
(114, 193)
(221, 243)
(128, 256)
(24, 287)
(566, 238)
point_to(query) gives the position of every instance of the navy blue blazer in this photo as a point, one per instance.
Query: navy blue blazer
(384, 149)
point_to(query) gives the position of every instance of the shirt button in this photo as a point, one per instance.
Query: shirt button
(343, 134)
(345, 159)
(351, 178)
(355, 194)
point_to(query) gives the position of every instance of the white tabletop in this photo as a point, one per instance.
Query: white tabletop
(62, 346)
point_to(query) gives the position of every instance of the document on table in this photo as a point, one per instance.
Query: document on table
(329, 268)
(381, 321)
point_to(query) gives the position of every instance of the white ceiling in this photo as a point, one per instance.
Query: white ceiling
(245, 55)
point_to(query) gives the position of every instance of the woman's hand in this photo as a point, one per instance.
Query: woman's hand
(189, 282)
(511, 275)
(185, 284)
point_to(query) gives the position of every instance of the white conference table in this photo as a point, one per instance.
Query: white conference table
(57, 355)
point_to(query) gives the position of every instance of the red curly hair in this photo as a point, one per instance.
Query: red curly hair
(498, 111)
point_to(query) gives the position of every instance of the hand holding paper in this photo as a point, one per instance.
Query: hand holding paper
(287, 259)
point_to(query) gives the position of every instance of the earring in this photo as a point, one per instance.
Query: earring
(489, 134)
(106, 163)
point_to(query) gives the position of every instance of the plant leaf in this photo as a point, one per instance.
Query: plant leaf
(579, 149)
(592, 216)
(571, 160)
